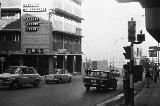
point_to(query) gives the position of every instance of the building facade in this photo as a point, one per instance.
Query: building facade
(42, 35)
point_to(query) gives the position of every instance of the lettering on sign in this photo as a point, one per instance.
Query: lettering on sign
(31, 29)
(32, 24)
(35, 51)
(32, 19)
(31, 5)
(62, 51)
(34, 9)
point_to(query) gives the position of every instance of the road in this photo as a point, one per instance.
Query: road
(67, 94)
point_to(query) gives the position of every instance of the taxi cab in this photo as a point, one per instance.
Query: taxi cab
(100, 80)
(17, 76)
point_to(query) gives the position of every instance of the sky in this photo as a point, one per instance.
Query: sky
(105, 28)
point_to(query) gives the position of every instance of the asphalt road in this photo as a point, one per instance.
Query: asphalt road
(67, 94)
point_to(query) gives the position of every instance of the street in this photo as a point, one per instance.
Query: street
(67, 94)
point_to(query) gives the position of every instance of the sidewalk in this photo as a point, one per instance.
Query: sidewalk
(149, 96)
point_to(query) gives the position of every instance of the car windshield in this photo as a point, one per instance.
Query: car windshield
(98, 74)
(12, 70)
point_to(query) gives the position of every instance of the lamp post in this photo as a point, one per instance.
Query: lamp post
(114, 48)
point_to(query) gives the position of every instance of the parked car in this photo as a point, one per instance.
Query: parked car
(100, 79)
(116, 73)
(17, 76)
(58, 76)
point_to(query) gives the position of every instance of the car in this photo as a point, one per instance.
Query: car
(17, 76)
(58, 76)
(116, 73)
(100, 80)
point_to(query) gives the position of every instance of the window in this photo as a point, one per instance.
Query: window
(30, 71)
(58, 38)
(24, 71)
(78, 31)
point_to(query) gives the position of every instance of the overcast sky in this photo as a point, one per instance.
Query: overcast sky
(105, 28)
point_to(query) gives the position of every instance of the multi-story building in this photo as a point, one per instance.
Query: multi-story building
(44, 35)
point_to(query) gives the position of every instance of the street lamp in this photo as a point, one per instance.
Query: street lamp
(114, 48)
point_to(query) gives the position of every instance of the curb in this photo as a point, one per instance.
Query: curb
(115, 101)
(118, 100)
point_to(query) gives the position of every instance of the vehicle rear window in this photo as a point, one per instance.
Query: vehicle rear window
(30, 71)
(24, 71)
(98, 74)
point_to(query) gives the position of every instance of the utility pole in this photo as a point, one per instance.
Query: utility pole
(158, 57)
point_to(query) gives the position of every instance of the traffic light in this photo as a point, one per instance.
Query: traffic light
(131, 30)
(140, 37)
(127, 53)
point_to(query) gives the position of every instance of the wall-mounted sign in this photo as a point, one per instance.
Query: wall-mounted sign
(35, 51)
(32, 19)
(32, 23)
(31, 29)
(33, 7)
(62, 51)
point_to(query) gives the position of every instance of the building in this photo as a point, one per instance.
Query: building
(44, 35)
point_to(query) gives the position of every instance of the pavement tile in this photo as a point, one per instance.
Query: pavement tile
(149, 96)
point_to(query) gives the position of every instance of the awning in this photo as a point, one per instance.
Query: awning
(67, 33)
(72, 16)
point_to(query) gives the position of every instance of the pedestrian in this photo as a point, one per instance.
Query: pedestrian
(86, 71)
(155, 74)
(147, 77)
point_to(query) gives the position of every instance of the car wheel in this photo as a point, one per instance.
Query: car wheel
(60, 81)
(46, 81)
(87, 87)
(15, 85)
(36, 83)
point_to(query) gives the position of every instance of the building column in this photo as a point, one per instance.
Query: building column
(50, 63)
(74, 64)
(65, 62)
(54, 61)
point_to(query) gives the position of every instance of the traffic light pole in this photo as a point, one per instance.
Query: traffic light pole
(131, 76)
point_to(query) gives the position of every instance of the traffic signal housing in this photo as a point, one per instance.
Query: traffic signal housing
(127, 53)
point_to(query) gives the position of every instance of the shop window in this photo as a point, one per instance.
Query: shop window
(2, 38)
(30, 71)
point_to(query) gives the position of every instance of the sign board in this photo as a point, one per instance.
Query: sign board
(157, 48)
(152, 53)
(152, 47)
(62, 51)
(35, 51)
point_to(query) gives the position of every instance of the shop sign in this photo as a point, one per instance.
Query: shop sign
(32, 24)
(62, 51)
(35, 51)
(33, 7)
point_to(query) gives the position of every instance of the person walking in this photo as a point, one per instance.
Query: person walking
(147, 77)
(156, 74)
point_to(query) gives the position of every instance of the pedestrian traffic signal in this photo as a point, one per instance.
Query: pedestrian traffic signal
(127, 53)
(140, 37)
